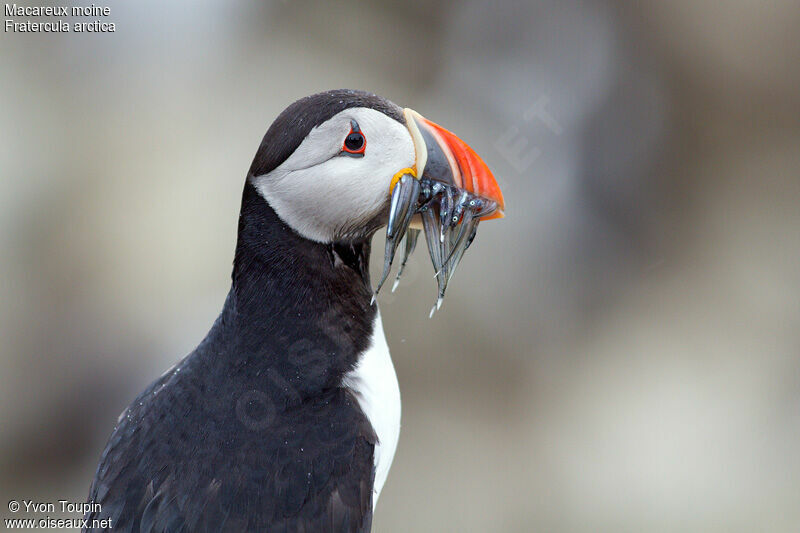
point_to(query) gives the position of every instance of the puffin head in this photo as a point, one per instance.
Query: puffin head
(329, 163)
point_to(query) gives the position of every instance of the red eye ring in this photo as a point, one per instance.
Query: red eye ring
(355, 143)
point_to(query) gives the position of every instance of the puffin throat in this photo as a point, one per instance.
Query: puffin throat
(288, 289)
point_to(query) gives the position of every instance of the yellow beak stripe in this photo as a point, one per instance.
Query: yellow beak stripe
(399, 175)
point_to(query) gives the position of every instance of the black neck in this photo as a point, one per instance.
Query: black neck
(295, 306)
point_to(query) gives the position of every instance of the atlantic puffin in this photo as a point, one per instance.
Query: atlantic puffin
(286, 417)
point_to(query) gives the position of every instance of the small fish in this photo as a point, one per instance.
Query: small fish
(403, 207)
(450, 217)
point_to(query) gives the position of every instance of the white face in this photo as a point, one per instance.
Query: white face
(326, 194)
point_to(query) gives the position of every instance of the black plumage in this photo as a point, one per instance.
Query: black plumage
(253, 431)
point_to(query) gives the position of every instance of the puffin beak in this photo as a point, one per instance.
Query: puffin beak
(442, 157)
(448, 193)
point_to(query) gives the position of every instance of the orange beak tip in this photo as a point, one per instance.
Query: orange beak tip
(496, 215)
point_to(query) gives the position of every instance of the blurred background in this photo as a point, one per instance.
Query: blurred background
(620, 353)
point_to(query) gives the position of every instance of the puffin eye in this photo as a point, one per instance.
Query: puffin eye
(355, 143)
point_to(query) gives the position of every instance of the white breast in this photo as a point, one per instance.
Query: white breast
(374, 383)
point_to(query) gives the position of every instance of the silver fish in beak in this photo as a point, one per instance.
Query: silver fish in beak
(448, 193)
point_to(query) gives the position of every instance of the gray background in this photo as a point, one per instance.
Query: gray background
(620, 353)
